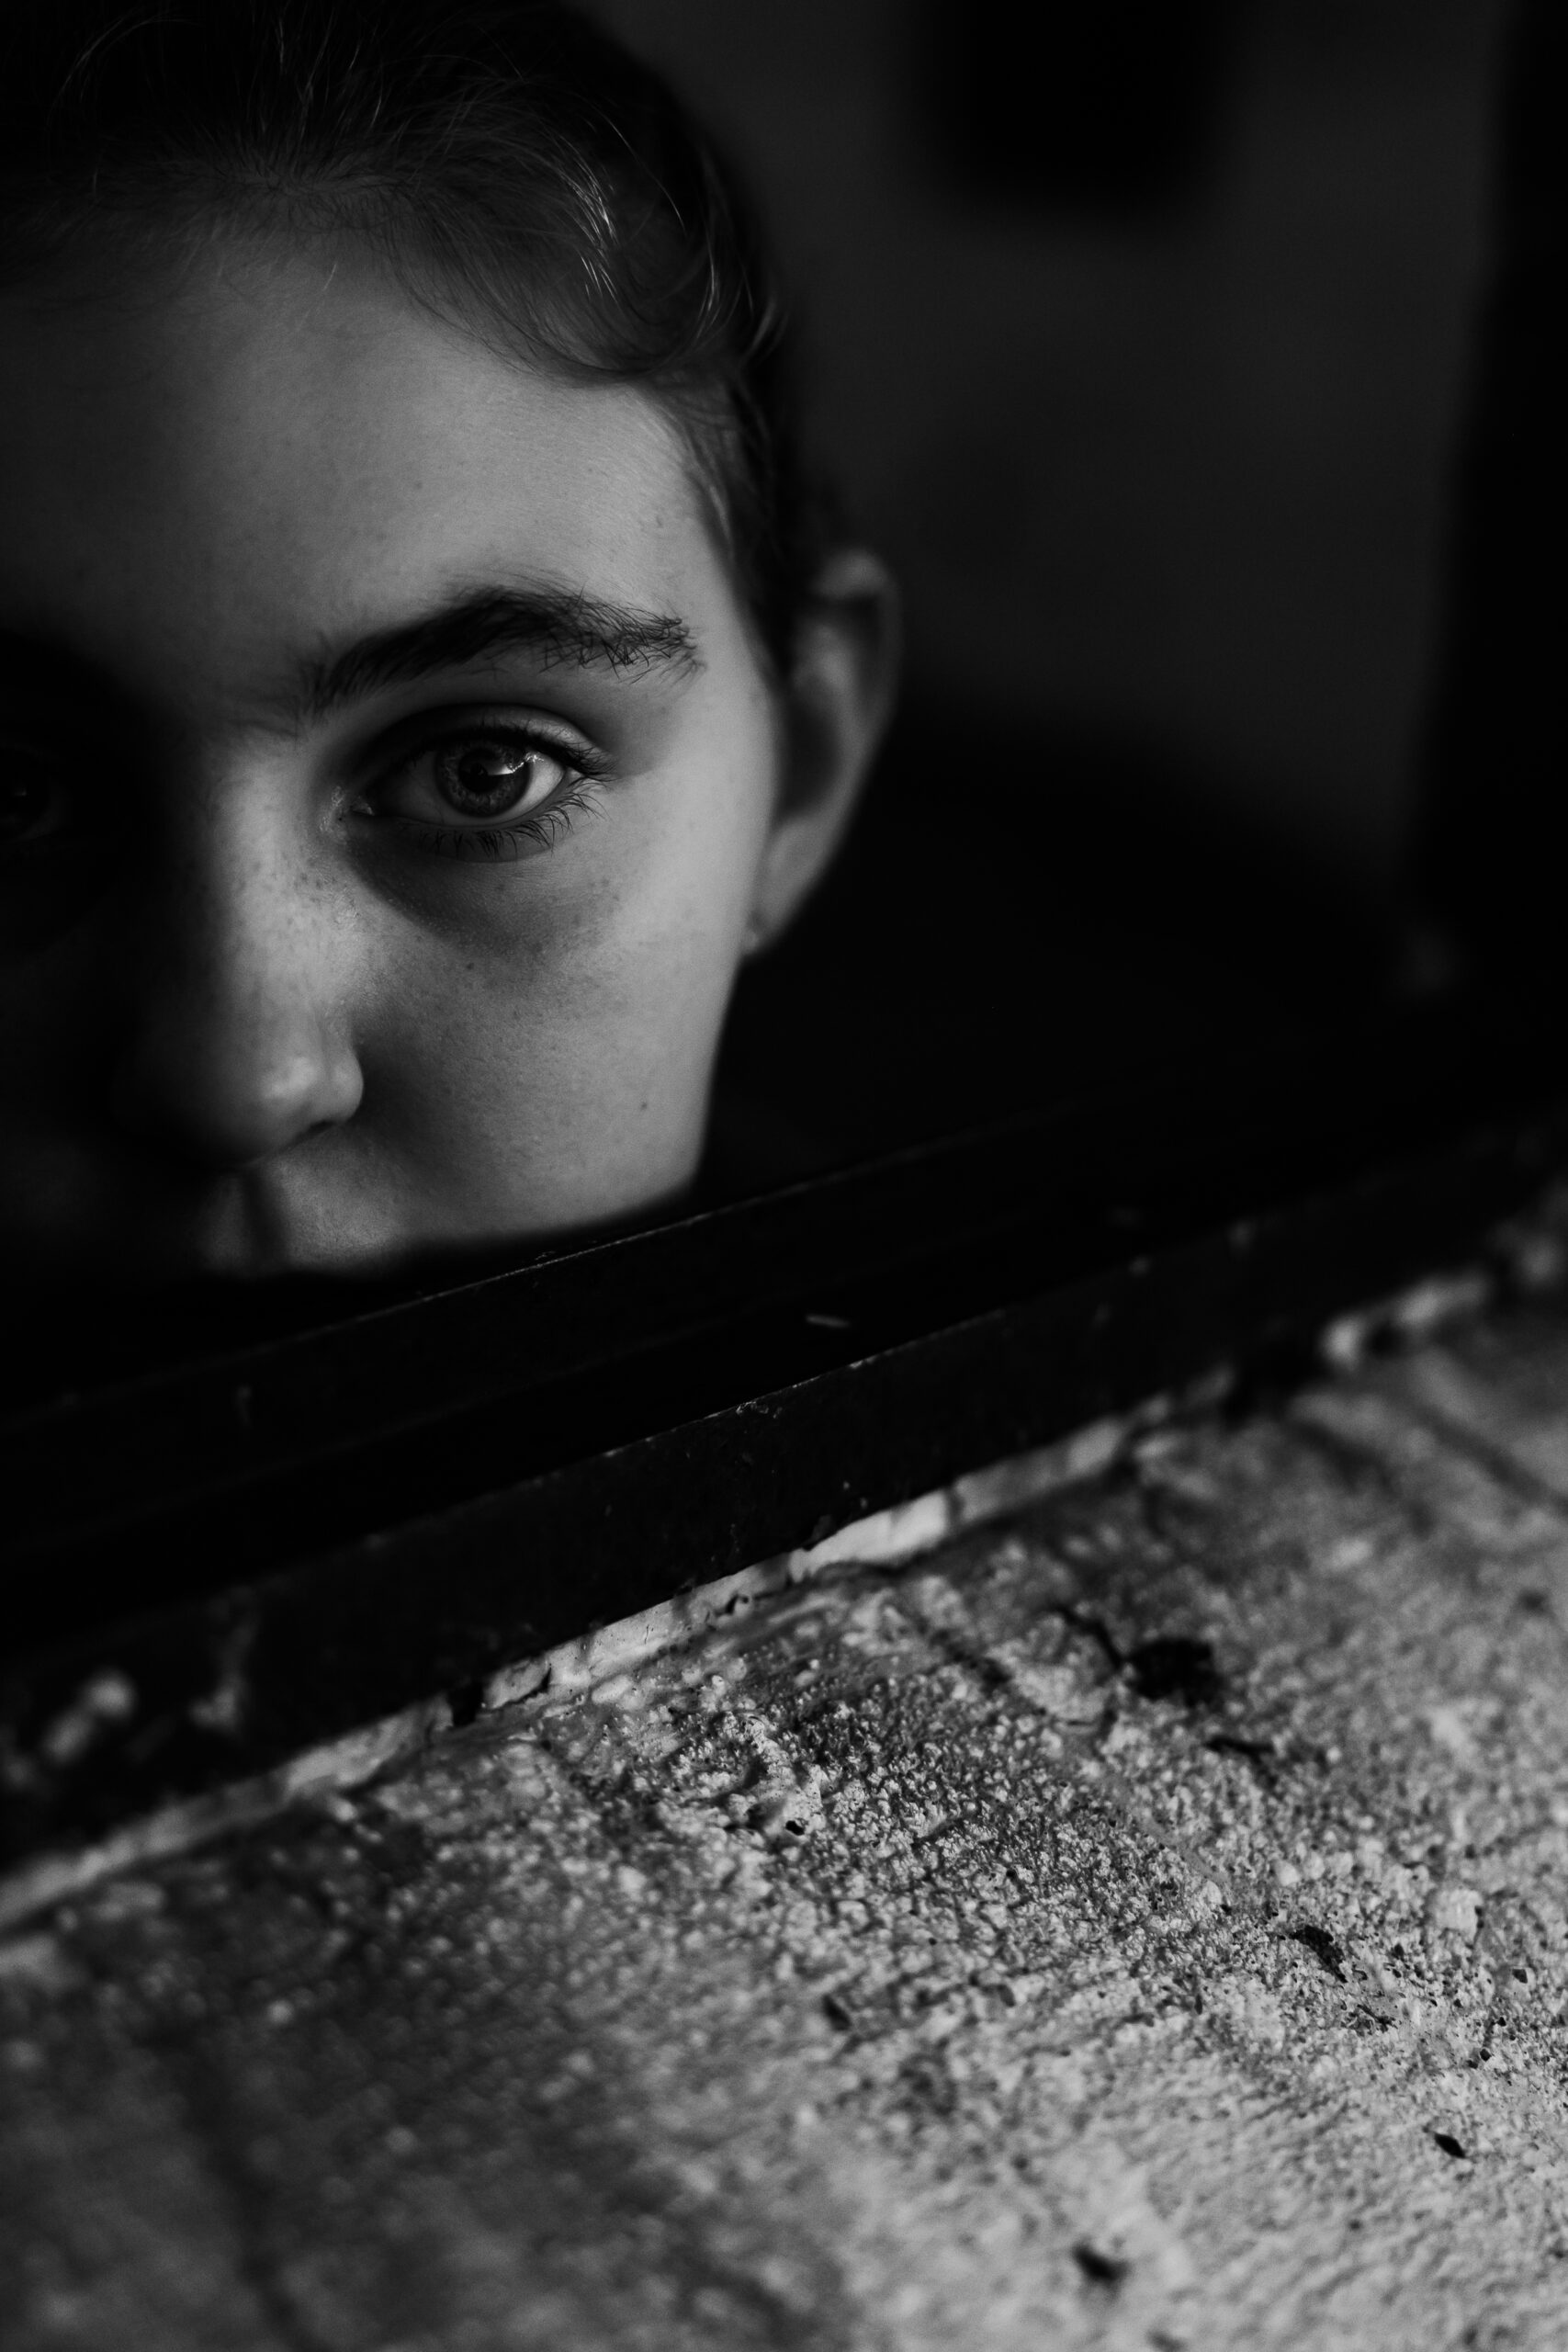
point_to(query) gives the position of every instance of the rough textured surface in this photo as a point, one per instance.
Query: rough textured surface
(1143, 1924)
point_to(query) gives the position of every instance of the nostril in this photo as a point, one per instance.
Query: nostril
(227, 1102)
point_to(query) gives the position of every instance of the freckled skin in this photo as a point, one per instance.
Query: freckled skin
(267, 1034)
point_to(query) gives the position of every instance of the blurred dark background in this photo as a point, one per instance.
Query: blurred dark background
(1136, 329)
(1143, 340)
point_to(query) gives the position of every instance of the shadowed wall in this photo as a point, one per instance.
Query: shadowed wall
(1159, 454)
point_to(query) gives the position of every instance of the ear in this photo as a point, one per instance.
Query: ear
(837, 702)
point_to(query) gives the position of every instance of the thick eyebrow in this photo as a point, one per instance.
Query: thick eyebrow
(553, 626)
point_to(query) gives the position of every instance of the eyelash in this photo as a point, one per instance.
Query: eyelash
(540, 831)
(505, 844)
(502, 844)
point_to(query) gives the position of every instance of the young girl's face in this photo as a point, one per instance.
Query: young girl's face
(390, 780)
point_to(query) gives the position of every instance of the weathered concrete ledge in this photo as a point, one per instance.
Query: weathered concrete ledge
(1138, 1922)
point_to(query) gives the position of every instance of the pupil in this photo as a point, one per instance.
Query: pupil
(486, 781)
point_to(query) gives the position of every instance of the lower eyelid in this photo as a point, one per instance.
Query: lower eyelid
(476, 845)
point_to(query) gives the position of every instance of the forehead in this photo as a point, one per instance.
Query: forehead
(282, 447)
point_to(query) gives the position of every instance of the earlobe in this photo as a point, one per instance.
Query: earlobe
(837, 704)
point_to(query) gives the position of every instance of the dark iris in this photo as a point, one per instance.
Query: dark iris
(484, 779)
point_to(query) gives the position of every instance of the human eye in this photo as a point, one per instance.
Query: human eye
(47, 802)
(482, 788)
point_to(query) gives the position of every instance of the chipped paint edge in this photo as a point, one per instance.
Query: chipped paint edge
(884, 1539)
(1526, 1256)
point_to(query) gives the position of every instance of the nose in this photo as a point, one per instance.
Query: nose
(239, 1045)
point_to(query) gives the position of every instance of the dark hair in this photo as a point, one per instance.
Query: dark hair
(515, 166)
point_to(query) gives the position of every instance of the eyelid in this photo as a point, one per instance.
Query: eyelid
(56, 746)
(421, 729)
(94, 816)
(401, 748)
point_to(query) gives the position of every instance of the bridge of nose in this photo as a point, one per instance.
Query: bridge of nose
(239, 1036)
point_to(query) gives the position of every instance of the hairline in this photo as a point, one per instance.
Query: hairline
(219, 205)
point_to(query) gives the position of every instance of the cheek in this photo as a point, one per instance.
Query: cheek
(42, 903)
(700, 862)
(610, 961)
(694, 886)
(64, 1006)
